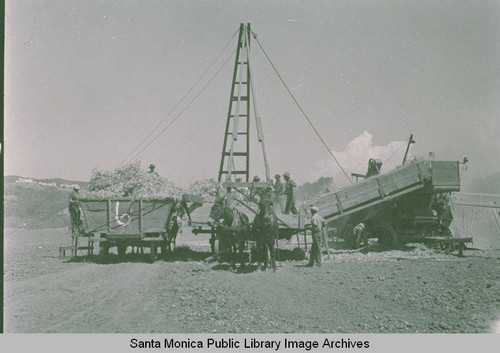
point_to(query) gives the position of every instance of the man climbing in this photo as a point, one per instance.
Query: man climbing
(290, 194)
(317, 225)
(74, 210)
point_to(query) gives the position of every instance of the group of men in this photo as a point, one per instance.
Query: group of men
(280, 189)
(287, 188)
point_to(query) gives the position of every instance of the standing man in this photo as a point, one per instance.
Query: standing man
(290, 194)
(360, 235)
(317, 225)
(74, 210)
(279, 188)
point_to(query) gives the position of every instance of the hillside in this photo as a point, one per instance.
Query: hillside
(8, 179)
(35, 207)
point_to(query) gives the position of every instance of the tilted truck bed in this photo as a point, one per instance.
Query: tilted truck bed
(422, 176)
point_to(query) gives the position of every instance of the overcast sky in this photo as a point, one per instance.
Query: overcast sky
(86, 81)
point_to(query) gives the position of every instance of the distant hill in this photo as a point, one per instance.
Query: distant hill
(12, 179)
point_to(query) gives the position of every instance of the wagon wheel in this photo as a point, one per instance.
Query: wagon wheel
(153, 252)
(390, 236)
(122, 249)
(103, 246)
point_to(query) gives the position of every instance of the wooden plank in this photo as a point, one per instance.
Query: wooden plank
(400, 179)
(120, 236)
(370, 204)
(140, 216)
(359, 194)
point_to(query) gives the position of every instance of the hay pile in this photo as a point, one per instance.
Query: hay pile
(130, 181)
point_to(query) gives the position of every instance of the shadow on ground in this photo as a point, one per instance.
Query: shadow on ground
(181, 253)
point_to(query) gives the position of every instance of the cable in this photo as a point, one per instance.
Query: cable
(189, 104)
(298, 105)
(182, 99)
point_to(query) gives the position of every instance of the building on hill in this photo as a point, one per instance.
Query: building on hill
(25, 180)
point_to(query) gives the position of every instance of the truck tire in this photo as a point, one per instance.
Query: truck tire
(349, 241)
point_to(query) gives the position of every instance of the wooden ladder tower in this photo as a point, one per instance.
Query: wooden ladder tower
(235, 159)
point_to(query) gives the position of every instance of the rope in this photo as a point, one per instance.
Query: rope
(182, 99)
(303, 113)
(189, 104)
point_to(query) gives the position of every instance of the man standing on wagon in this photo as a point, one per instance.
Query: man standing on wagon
(74, 210)
(290, 194)
(278, 192)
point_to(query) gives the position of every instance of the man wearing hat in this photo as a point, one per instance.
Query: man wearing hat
(278, 191)
(290, 195)
(317, 225)
(152, 169)
(74, 209)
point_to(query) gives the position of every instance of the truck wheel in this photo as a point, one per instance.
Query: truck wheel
(393, 236)
(446, 232)
(349, 241)
(389, 237)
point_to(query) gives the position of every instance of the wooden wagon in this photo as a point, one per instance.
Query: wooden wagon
(127, 222)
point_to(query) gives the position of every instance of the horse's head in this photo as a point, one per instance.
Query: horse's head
(266, 211)
(217, 212)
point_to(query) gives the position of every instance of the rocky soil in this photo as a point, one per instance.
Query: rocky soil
(413, 290)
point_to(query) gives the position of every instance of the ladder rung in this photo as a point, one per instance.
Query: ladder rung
(235, 172)
(243, 62)
(242, 98)
(240, 116)
(236, 154)
(239, 133)
(241, 83)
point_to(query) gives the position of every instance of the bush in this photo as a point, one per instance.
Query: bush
(205, 188)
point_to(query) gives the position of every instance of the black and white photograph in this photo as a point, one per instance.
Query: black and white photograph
(240, 168)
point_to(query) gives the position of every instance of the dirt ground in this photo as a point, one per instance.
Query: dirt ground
(413, 290)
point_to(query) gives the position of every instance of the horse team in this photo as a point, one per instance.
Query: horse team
(235, 230)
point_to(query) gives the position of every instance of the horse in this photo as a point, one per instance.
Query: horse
(173, 225)
(233, 228)
(265, 231)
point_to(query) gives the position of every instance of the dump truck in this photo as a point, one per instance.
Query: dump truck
(403, 205)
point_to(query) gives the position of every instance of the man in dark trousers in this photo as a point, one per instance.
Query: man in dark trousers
(290, 194)
(74, 210)
(317, 225)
